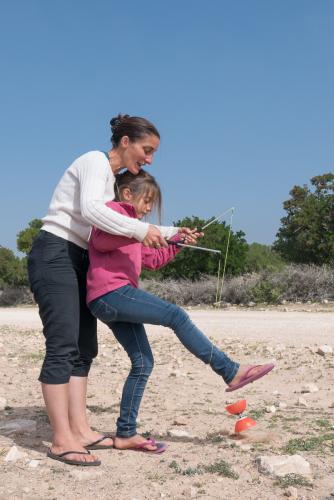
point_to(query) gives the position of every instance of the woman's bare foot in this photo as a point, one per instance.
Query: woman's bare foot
(132, 442)
(88, 436)
(69, 445)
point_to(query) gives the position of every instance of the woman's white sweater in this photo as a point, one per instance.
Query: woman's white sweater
(78, 203)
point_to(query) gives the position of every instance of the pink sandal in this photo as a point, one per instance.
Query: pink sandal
(160, 447)
(247, 379)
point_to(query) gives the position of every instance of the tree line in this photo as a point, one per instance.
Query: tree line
(306, 235)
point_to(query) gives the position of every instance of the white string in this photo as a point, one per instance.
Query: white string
(218, 218)
(219, 295)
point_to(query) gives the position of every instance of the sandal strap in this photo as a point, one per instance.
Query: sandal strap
(74, 452)
(150, 441)
(106, 436)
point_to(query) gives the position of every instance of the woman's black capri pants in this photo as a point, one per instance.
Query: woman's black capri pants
(57, 273)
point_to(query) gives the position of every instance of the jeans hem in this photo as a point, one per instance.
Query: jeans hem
(235, 371)
(126, 435)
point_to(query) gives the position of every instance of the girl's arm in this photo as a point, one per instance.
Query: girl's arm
(93, 178)
(154, 258)
(106, 242)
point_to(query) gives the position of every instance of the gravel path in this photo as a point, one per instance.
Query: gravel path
(184, 405)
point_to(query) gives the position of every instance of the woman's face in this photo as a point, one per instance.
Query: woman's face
(139, 153)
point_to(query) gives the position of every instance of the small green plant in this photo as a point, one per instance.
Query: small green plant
(293, 480)
(175, 466)
(189, 471)
(256, 414)
(222, 468)
(309, 444)
(324, 424)
(215, 437)
(264, 291)
(34, 356)
(155, 477)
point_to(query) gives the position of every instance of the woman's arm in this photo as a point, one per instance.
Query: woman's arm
(93, 177)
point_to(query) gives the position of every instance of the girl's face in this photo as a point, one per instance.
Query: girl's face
(137, 154)
(142, 203)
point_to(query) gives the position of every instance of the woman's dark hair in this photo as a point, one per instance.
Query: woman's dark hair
(134, 127)
(142, 184)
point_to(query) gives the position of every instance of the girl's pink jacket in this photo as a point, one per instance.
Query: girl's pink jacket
(116, 261)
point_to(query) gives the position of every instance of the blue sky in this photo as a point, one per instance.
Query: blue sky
(242, 93)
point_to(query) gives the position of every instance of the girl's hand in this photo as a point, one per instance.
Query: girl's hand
(189, 236)
(154, 238)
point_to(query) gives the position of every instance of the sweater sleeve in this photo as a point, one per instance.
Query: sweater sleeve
(154, 258)
(93, 177)
(106, 242)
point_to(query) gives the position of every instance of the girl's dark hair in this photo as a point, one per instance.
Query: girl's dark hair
(140, 185)
(134, 127)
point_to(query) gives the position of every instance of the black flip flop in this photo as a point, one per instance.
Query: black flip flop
(67, 461)
(97, 446)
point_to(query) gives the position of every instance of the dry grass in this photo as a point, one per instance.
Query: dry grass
(293, 283)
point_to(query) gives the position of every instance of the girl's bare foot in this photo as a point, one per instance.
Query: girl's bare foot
(247, 374)
(132, 442)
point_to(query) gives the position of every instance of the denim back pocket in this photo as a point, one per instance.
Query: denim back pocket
(103, 311)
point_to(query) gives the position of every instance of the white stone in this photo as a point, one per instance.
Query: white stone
(284, 464)
(282, 405)
(179, 433)
(276, 393)
(325, 349)
(302, 402)
(292, 492)
(190, 492)
(84, 474)
(19, 425)
(270, 409)
(33, 464)
(3, 403)
(14, 454)
(311, 387)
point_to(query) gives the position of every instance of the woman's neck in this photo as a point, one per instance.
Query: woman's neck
(115, 160)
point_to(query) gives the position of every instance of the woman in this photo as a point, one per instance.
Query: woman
(58, 266)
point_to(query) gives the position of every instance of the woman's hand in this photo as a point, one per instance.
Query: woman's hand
(154, 238)
(189, 236)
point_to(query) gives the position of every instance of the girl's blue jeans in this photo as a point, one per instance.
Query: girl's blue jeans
(125, 310)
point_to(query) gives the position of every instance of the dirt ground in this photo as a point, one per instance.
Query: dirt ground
(209, 461)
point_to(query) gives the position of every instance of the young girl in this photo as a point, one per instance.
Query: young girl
(114, 298)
